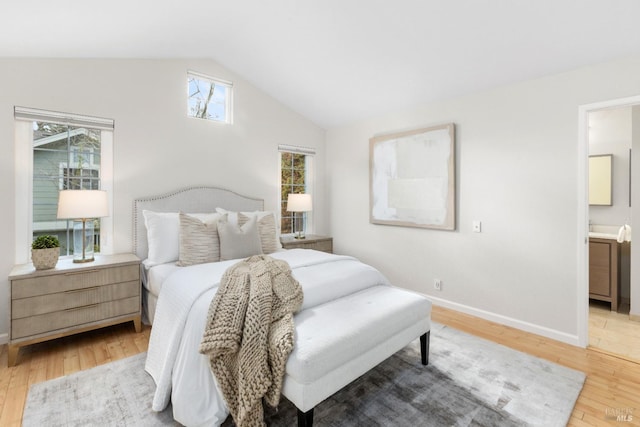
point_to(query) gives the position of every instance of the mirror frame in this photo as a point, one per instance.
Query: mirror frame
(601, 180)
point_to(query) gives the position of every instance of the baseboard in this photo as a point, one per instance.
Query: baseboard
(634, 317)
(508, 321)
(4, 338)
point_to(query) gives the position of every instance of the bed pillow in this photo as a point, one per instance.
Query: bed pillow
(163, 235)
(163, 230)
(199, 242)
(266, 230)
(270, 239)
(238, 241)
(232, 216)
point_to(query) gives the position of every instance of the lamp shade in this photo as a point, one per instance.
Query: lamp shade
(299, 203)
(79, 204)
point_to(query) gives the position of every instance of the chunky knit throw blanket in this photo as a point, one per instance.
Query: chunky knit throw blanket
(249, 334)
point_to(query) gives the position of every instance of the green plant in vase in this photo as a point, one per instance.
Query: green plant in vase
(45, 251)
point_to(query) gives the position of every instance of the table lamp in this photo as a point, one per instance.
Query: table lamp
(299, 203)
(80, 206)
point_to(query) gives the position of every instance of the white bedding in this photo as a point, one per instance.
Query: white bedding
(154, 277)
(181, 373)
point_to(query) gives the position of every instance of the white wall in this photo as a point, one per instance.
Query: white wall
(156, 147)
(610, 133)
(517, 149)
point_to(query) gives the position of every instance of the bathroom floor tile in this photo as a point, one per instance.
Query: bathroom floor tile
(613, 332)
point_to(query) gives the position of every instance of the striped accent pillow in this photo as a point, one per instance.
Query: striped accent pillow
(266, 229)
(199, 241)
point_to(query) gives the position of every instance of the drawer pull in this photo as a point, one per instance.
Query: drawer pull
(74, 291)
(81, 308)
(73, 273)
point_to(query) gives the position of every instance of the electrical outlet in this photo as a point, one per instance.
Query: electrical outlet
(437, 285)
(477, 226)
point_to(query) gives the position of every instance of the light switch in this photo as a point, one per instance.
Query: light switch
(477, 226)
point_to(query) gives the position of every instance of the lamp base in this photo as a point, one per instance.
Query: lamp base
(300, 237)
(82, 241)
(298, 226)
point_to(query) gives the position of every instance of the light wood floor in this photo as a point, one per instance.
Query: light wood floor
(613, 332)
(612, 385)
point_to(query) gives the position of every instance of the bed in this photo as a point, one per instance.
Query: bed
(192, 200)
(351, 319)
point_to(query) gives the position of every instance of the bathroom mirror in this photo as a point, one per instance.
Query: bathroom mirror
(600, 180)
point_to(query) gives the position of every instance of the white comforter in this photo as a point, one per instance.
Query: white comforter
(181, 373)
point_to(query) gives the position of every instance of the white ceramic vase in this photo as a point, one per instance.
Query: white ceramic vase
(45, 259)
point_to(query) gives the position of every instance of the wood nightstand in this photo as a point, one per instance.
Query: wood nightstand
(72, 298)
(312, 241)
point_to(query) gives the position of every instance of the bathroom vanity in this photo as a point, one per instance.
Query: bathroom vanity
(604, 270)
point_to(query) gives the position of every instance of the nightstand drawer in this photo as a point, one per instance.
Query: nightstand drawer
(324, 245)
(43, 304)
(73, 280)
(318, 243)
(73, 317)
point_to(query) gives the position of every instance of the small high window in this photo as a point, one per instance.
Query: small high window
(209, 98)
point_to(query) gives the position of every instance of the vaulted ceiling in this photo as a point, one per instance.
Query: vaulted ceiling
(337, 61)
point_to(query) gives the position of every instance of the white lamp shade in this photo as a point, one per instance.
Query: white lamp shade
(82, 204)
(299, 203)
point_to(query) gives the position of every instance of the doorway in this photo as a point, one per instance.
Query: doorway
(606, 130)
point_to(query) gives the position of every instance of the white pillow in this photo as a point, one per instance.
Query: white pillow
(163, 235)
(163, 231)
(238, 242)
(233, 218)
(199, 242)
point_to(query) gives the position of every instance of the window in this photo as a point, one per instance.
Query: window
(295, 177)
(64, 158)
(209, 98)
(58, 151)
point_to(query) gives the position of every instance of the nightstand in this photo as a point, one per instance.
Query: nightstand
(72, 298)
(312, 241)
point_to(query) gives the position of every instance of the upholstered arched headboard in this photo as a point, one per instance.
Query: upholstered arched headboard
(190, 200)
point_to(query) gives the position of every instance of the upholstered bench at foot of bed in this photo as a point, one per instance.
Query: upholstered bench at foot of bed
(341, 340)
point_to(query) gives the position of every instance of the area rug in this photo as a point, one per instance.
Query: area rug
(469, 382)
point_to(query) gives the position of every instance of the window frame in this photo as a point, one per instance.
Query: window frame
(228, 101)
(23, 146)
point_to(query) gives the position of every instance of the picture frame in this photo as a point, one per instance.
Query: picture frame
(412, 178)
